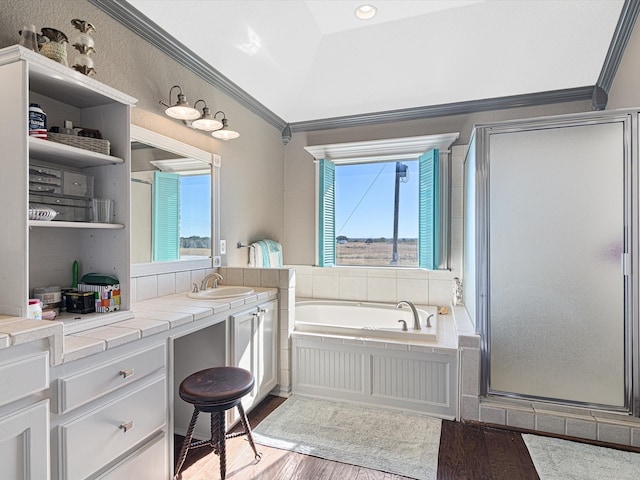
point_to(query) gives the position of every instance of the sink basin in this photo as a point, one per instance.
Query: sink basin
(223, 291)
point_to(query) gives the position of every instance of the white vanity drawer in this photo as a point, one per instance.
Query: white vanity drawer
(102, 435)
(25, 376)
(88, 385)
(150, 461)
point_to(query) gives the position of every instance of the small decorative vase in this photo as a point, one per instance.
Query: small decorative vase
(55, 47)
(84, 44)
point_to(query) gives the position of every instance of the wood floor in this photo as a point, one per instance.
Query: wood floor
(467, 452)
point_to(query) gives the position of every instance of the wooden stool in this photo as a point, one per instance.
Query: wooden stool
(216, 390)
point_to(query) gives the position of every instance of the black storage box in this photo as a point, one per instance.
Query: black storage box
(80, 302)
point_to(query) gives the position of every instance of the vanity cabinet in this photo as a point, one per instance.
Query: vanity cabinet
(38, 253)
(112, 411)
(24, 414)
(253, 346)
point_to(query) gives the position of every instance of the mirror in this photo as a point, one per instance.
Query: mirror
(172, 187)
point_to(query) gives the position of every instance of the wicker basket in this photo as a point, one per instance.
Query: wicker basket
(93, 144)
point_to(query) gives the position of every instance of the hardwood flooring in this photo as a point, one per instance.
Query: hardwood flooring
(467, 452)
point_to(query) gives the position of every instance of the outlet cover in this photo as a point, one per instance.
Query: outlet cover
(223, 247)
(217, 261)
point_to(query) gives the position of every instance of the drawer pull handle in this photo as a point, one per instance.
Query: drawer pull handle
(127, 372)
(126, 426)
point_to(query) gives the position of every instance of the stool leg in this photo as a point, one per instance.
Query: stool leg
(187, 441)
(222, 451)
(247, 429)
(214, 432)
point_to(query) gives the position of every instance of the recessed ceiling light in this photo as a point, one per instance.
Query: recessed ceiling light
(366, 12)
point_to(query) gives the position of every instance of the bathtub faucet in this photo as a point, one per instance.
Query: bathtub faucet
(205, 281)
(416, 317)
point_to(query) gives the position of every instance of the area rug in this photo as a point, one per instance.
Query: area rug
(557, 459)
(391, 441)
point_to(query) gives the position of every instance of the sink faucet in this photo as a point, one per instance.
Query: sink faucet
(205, 281)
(416, 317)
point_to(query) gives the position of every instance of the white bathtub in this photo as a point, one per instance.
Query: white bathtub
(368, 320)
(356, 351)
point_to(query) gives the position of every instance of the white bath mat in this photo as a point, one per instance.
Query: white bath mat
(396, 442)
(557, 459)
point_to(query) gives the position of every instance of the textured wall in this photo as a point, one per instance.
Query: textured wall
(252, 165)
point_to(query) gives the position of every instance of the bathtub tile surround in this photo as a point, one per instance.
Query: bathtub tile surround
(376, 285)
(151, 286)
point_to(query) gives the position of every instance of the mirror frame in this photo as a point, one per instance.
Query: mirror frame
(163, 142)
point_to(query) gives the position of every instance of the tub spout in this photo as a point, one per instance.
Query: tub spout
(416, 317)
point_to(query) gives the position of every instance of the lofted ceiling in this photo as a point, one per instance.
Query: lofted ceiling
(307, 61)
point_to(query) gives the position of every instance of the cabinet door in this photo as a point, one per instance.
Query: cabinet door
(266, 349)
(243, 355)
(24, 443)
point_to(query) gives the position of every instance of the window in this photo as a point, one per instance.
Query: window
(384, 210)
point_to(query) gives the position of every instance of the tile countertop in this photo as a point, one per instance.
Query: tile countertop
(149, 317)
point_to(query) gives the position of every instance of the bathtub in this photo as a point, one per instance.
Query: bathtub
(364, 320)
(357, 351)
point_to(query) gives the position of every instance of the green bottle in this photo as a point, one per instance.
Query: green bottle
(74, 282)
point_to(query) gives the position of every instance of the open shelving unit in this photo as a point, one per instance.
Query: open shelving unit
(39, 253)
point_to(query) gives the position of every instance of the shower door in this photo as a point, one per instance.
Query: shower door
(558, 237)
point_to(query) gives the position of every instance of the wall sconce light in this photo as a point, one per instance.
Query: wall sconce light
(205, 121)
(224, 133)
(181, 110)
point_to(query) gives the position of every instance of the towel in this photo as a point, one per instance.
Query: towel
(265, 254)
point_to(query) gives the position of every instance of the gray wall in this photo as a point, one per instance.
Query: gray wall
(252, 165)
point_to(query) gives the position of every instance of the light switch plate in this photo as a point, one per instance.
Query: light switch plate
(223, 247)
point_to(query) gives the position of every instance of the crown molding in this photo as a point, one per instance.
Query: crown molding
(447, 109)
(624, 28)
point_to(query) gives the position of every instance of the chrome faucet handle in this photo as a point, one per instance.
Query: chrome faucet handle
(429, 320)
(404, 325)
(195, 288)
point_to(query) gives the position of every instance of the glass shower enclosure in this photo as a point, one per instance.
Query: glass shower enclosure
(552, 204)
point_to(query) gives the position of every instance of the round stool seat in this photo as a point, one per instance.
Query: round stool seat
(217, 388)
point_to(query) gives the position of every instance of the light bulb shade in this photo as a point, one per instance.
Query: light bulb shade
(206, 124)
(182, 110)
(225, 134)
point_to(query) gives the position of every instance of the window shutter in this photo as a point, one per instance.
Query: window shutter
(166, 216)
(327, 204)
(428, 210)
